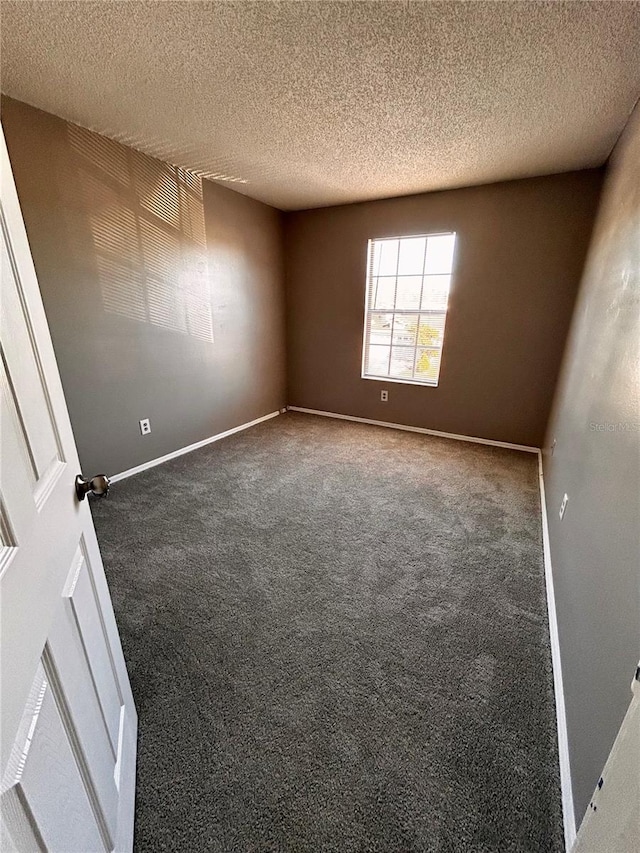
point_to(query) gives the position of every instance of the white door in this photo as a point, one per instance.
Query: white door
(612, 821)
(68, 736)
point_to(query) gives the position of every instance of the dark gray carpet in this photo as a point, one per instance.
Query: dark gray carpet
(337, 641)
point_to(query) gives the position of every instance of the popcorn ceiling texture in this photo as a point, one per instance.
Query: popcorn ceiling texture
(309, 104)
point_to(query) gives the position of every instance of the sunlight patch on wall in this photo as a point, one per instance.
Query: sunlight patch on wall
(148, 231)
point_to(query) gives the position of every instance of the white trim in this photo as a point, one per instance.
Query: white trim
(153, 462)
(424, 383)
(568, 812)
(421, 430)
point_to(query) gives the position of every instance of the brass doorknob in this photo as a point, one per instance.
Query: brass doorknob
(98, 486)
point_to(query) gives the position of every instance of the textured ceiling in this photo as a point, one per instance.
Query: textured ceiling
(304, 104)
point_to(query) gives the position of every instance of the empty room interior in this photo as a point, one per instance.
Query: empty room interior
(320, 493)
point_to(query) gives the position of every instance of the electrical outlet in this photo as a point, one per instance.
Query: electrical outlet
(145, 426)
(563, 506)
(384, 396)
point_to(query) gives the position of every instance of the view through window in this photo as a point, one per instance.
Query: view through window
(408, 281)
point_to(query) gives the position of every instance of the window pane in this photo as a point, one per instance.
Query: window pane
(427, 364)
(431, 330)
(440, 253)
(384, 292)
(378, 361)
(408, 293)
(402, 362)
(404, 330)
(411, 256)
(380, 328)
(385, 259)
(435, 291)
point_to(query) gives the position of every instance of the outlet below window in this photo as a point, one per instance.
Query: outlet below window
(384, 396)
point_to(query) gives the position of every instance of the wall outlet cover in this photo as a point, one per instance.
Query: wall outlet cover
(145, 426)
(384, 396)
(563, 506)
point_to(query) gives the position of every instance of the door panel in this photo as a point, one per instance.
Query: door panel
(612, 821)
(84, 625)
(45, 774)
(70, 659)
(68, 730)
(25, 375)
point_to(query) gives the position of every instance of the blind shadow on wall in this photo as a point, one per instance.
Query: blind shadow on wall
(147, 226)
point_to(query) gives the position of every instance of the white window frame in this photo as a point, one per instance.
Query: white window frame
(368, 310)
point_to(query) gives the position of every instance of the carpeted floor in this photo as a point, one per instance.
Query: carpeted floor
(337, 641)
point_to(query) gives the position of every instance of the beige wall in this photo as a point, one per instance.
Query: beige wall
(163, 292)
(595, 549)
(521, 248)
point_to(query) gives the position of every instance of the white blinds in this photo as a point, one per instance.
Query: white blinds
(408, 281)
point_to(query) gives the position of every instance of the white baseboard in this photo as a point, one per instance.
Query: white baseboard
(568, 812)
(153, 462)
(422, 430)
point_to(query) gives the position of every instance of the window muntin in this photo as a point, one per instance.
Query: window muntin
(408, 281)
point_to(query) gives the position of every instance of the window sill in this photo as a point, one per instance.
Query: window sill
(425, 384)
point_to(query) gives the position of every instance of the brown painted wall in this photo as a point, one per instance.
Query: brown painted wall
(164, 297)
(520, 252)
(595, 549)
(163, 293)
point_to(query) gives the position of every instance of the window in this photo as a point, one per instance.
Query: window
(408, 282)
